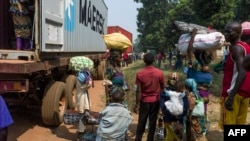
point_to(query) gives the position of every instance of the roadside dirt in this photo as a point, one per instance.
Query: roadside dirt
(28, 124)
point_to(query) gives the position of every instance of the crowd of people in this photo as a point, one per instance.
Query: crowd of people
(184, 103)
(181, 103)
(175, 60)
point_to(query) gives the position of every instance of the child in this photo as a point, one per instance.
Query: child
(171, 80)
(5, 120)
(114, 119)
(174, 117)
(84, 82)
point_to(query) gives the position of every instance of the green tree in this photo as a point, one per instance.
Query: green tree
(242, 10)
(155, 19)
(216, 13)
(150, 23)
(177, 11)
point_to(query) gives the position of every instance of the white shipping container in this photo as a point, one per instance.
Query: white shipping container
(72, 25)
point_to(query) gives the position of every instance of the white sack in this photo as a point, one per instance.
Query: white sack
(209, 41)
(175, 104)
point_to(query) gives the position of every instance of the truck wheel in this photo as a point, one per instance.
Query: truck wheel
(101, 69)
(71, 91)
(54, 104)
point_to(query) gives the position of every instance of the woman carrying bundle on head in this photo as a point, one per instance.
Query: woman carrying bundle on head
(84, 82)
(113, 75)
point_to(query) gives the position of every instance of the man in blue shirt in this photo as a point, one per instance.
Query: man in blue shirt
(5, 120)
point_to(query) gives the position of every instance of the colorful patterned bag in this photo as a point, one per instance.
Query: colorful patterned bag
(71, 117)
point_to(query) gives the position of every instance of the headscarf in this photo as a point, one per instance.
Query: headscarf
(190, 83)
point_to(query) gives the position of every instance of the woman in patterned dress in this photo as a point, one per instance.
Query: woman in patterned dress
(22, 23)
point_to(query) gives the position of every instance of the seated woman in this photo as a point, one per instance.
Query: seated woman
(114, 119)
(174, 117)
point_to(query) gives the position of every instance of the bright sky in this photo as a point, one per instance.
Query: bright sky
(123, 13)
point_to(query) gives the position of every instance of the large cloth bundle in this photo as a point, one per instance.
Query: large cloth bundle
(117, 41)
(209, 41)
(77, 63)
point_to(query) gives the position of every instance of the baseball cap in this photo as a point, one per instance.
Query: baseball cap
(245, 28)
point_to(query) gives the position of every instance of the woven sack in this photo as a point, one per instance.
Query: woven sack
(116, 41)
(77, 63)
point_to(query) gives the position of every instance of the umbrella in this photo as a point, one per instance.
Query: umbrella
(188, 27)
(117, 41)
(245, 28)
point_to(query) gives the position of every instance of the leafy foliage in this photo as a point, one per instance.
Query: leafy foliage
(155, 18)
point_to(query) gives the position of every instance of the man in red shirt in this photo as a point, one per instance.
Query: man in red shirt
(150, 81)
(125, 58)
(235, 87)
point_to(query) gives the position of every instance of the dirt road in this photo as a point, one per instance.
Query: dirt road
(28, 124)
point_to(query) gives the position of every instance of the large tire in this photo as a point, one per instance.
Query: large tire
(71, 91)
(101, 69)
(54, 104)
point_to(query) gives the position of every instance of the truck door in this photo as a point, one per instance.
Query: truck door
(52, 18)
